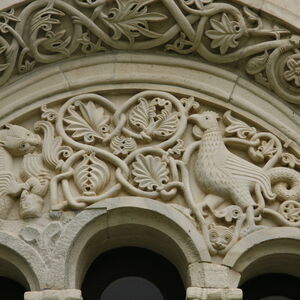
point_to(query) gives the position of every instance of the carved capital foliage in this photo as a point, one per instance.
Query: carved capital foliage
(194, 293)
(221, 32)
(228, 176)
(52, 294)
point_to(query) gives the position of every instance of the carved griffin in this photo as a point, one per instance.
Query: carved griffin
(18, 141)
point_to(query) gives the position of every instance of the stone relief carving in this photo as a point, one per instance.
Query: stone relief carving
(227, 175)
(43, 240)
(220, 32)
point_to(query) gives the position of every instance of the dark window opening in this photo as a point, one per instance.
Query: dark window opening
(272, 287)
(11, 290)
(132, 274)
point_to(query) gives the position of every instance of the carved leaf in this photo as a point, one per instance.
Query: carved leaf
(53, 150)
(177, 149)
(200, 4)
(150, 172)
(93, 125)
(3, 67)
(252, 16)
(90, 3)
(50, 234)
(182, 45)
(122, 145)
(9, 16)
(54, 42)
(290, 160)
(224, 33)
(48, 113)
(30, 234)
(140, 115)
(257, 64)
(238, 127)
(43, 19)
(131, 19)
(94, 116)
(88, 46)
(91, 175)
(166, 126)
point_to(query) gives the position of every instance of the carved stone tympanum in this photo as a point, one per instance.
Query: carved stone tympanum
(227, 176)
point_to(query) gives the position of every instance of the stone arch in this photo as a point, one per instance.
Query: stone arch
(127, 72)
(128, 221)
(216, 77)
(20, 262)
(272, 250)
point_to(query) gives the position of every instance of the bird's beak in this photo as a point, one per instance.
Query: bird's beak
(193, 118)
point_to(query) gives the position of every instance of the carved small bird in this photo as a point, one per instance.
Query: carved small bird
(224, 175)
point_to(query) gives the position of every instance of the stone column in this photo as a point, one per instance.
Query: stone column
(54, 295)
(210, 281)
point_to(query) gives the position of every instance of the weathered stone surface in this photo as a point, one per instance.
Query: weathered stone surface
(196, 160)
(195, 293)
(54, 295)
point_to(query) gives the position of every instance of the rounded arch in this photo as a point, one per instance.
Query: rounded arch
(271, 250)
(20, 262)
(127, 221)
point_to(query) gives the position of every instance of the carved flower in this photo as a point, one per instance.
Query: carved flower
(224, 33)
(266, 149)
(290, 210)
(294, 71)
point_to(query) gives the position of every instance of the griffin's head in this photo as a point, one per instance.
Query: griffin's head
(18, 140)
(205, 120)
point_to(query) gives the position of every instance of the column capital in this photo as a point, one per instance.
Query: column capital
(196, 293)
(54, 295)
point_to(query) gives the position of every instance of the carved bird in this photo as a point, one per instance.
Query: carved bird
(224, 175)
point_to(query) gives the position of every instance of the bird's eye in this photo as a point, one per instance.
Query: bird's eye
(206, 118)
(22, 145)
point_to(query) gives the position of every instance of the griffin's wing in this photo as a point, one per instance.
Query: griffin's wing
(246, 171)
(33, 166)
(6, 180)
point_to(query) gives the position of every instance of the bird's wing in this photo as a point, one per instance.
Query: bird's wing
(246, 171)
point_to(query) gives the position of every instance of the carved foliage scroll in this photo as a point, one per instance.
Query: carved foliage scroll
(221, 172)
(219, 31)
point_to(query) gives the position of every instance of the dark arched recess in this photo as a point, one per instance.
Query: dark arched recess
(132, 272)
(272, 287)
